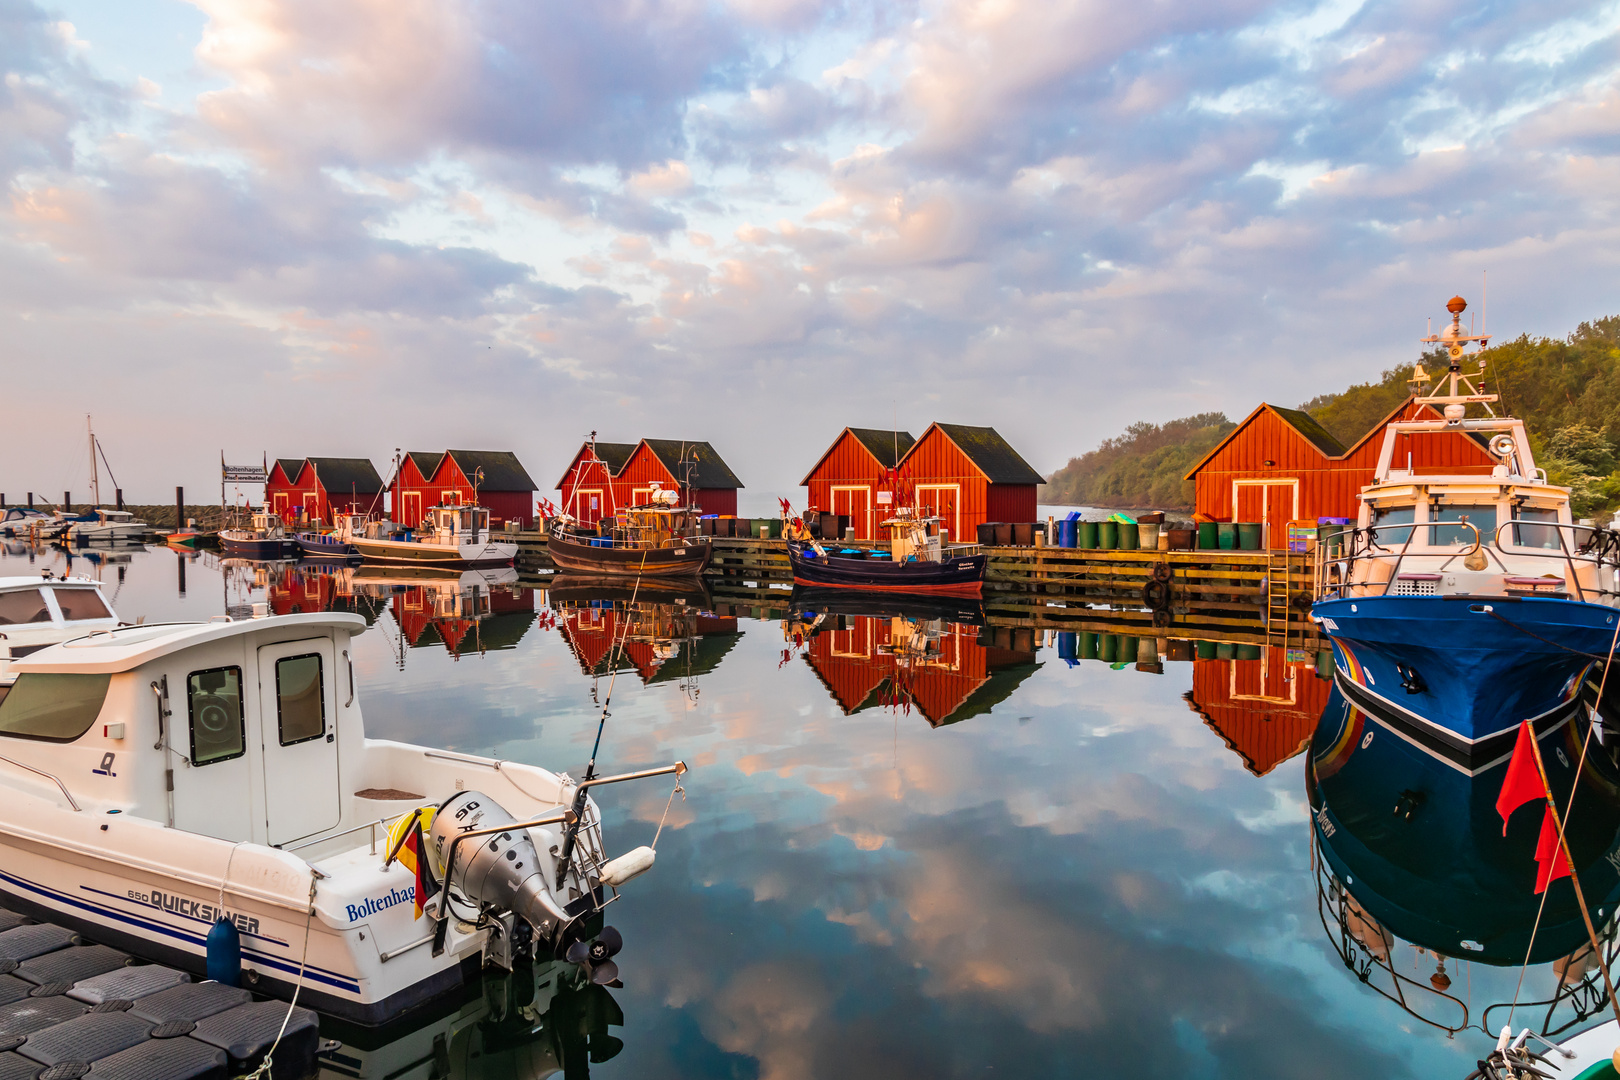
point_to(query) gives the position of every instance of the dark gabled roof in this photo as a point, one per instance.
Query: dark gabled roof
(880, 444)
(345, 474)
(502, 470)
(426, 463)
(615, 455)
(290, 467)
(1313, 432)
(709, 470)
(990, 454)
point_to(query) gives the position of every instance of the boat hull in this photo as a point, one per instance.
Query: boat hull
(416, 553)
(1454, 675)
(256, 548)
(962, 610)
(961, 576)
(573, 556)
(328, 549)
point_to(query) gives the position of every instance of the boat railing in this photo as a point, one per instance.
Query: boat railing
(1578, 546)
(599, 541)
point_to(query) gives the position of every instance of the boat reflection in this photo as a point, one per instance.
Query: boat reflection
(526, 1025)
(905, 653)
(1411, 849)
(612, 626)
(467, 611)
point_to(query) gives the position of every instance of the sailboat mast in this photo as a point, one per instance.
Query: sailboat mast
(95, 475)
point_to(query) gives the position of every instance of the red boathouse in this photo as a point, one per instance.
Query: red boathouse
(853, 477)
(491, 478)
(317, 488)
(1280, 465)
(967, 476)
(694, 468)
(587, 486)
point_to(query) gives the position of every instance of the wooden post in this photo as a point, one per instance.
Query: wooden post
(118, 495)
(67, 502)
(1574, 877)
(180, 514)
(30, 500)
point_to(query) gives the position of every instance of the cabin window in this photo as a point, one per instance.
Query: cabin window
(1482, 518)
(23, 606)
(56, 708)
(215, 700)
(1542, 534)
(81, 604)
(1392, 515)
(300, 701)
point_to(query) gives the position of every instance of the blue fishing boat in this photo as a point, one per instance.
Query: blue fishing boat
(264, 538)
(1462, 603)
(333, 546)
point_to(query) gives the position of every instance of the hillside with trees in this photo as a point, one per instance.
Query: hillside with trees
(1566, 390)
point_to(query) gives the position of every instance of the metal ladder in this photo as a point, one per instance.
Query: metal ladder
(1278, 565)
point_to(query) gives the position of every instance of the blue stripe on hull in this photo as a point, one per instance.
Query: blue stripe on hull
(1475, 666)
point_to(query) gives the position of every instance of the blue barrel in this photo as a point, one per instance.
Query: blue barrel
(1068, 533)
(1067, 646)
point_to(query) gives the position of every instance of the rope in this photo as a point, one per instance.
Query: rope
(264, 1066)
(223, 880)
(1566, 648)
(676, 790)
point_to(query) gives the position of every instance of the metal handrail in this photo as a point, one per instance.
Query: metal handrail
(49, 776)
(347, 832)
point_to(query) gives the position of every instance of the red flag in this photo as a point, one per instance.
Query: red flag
(1551, 862)
(1522, 783)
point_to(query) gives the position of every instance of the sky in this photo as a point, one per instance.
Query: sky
(292, 228)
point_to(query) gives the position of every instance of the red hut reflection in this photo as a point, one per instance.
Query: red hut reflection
(475, 611)
(938, 668)
(1263, 707)
(660, 642)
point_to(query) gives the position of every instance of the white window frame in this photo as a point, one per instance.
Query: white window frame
(869, 533)
(956, 489)
(1265, 502)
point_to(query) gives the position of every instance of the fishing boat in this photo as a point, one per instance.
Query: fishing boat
(105, 526)
(204, 794)
(1461, 604)
(264, 538)
(656, 539)
(961, 610)
(916, 560)
(36, 612)
(184, 538)
(449, 536)
(336, 545)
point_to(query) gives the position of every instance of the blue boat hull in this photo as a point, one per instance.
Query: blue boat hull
(259, 549)
(1456, 675)
(327, 548)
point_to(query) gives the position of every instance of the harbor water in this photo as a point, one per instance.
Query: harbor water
(892, 859)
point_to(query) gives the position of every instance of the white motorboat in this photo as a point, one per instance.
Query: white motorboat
(447, 536)
(158, 780)
(19, 520)
(36, 612)
(107, 525)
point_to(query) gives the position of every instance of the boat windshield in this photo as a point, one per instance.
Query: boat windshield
(53, 707)
(23, 606)
(1541, 535)
(1392, 515)
(81, 604)
(1482, 517)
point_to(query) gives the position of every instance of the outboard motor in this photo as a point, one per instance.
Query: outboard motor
(502, 870)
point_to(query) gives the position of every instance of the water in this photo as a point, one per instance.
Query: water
(997, 863)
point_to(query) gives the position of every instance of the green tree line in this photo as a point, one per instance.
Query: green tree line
(1566, 390)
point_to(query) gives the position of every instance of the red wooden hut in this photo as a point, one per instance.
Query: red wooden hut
(701, 475)
(851, 478)
(318, 488)
(491, 478)
(1265, 710)
(1280, 465)
(969, 475)
(590, 477)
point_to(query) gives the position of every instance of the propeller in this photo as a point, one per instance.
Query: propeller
(596, 956)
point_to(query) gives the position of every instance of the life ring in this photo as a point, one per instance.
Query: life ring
(1156, 595)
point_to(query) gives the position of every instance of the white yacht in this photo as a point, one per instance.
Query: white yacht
(40, 611)
(106, 525)
(155, 780)
(447, 536)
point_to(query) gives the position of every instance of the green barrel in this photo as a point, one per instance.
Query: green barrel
(1328, 537)
(1225, 650)
(1108, 648)
(1206, 650)
(1228, 536)
(1088, 646)
(1128, 536)
(1108, 535)
(1324, 664)
(1086, 534)
(1248, 652)
(1248, 533)
(1209, 536)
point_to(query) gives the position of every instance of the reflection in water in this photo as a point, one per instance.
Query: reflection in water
(1412, 850)
(660, 641)
(526, 1025)
(1265, 708)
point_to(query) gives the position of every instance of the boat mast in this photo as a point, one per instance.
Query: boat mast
(1446, 394)
(95, 475)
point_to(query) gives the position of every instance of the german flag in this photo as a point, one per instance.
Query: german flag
(407, 844)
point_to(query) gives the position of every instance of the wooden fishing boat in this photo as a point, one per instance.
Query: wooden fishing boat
(264, 538)
(916, 562)
(658, 539)
(453, 536)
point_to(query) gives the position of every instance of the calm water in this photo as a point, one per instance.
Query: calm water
(965, 862)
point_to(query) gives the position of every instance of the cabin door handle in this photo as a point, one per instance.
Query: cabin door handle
(347, 659)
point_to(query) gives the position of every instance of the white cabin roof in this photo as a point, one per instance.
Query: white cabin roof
(129, 647)
(9, 583)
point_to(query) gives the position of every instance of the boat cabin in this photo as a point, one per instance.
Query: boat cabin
(455, 525)
(36, 612)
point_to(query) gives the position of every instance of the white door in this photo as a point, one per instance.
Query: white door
(298, 720)
(214, 796)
